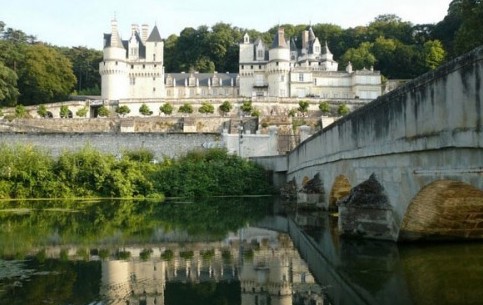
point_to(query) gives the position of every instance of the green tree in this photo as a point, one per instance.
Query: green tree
(255, 112)
(85, 66)
(225, 107)
(246, 107)
(8, 86)
(324, 107)
(45, 76)
(469, 34)
(123, 110)
(303, 106)
(360, 57)
(166, 108)
(433, 53)
(103, 111)
(206, 108)
(144, 110)
(186, 108)
(64, 111)
(42, 111)
(82, 113)
(343, 110)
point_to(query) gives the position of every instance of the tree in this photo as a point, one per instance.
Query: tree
(103, 111)
(166, 108)
(144, 110)
(123, 110)
(360, 58)
(85, 66)
(343, 110)
(324, 107)
(64, 111)
(255, 113)
(303, 107)
(186, 108)
(433, 54)
(82, 113)
(206, 108)
(469, 35)
(8, 86)
(42, 111)
(45, 76)
(246, 107)
(226, 107)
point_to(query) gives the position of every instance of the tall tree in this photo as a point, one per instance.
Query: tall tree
(470, 34)
(46, 76)
(8, 86)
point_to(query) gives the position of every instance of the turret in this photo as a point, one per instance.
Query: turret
(280, 50)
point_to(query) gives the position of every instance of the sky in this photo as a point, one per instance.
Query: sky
(82, 23)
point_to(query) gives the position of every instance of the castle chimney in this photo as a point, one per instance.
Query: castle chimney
(305, 39)
(144, 34)
(134, 29)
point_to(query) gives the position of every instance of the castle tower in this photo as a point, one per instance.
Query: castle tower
(113, 68)
(278, 67)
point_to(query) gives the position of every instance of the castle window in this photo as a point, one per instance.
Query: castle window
(276, 63)
(260, 54)
(154, 78)
(301, 77)
(154, 89)
(315, 81)
(116, 63)
(155, 65)
(154, 57)
(132, 66)
(317, 49)
(260, 67)
(282, 78)
(144, 66)
(251, 67)
(132, 81)
(243, 67)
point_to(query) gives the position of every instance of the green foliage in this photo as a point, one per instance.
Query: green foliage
(360, 57)
(433, 54)
(45, 76)
(20, 112)
(206, 108)
(8, 86)
(85, 66)
(123, 110)
(469, 36)
(145, 254)
(42, 111)
(246, 107)
(324, 107)
(64, 111)
(103, 111)
(144, 110)
(82, 113)
(343, 110)
(303, 106)
(166, 108)
(208, 173)
(187, 255)
(226, 107)
(255, 113)
(139, 155)
(167, 255)
(186, 108)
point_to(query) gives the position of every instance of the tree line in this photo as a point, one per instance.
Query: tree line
(32, 72)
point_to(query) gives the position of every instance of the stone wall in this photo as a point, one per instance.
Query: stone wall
(161, 144)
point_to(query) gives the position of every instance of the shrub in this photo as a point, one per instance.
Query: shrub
(246, 107)
(206, 108)
(226, 107)
(186, 108)
(64, 111)
(82, 113)
(20, 111)
(255, 113)
(303, 106)
(123, 110)
(343, 110)
(144, 110)
(166, 108)
(42, 111)
(324, 107)
(103, 111)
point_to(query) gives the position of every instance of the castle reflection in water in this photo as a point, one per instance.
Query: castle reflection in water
(265, 263)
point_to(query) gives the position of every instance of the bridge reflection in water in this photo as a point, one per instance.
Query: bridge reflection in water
(377, 272)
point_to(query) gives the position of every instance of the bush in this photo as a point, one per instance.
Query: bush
(324, 107)
(123, 110)
(42, 111)
(64, 111)
(166, 108)
(186, 108)
(20, 111)
(255, 113)
(144, 110)
(343, 110)
(246, 107)
(82, 113)
(103, 111)
(303, 106)
(206, 108)
(226, 107)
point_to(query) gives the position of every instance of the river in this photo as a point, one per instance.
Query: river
(221, 251)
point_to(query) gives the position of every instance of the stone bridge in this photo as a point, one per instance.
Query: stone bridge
(415, 155)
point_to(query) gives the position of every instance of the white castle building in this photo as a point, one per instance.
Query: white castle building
(282, 70)
(133, 70)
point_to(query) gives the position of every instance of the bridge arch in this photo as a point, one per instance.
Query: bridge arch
(340, 188)
(444, 209)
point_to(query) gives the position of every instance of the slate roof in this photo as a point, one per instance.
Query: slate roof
(277, 43)
(155, 36)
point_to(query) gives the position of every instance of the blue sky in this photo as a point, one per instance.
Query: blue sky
(82, 23)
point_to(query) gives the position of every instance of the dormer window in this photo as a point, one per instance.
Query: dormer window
(317, 49)
(260, 54)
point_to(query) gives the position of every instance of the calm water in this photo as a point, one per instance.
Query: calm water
(225, 251)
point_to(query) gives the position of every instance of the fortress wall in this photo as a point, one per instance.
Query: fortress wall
(161, 144)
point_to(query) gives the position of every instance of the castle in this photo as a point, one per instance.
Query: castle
(133, 70)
